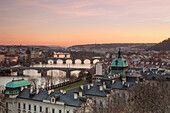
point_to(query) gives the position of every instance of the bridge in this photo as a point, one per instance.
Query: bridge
(66, 60)
(42, 70)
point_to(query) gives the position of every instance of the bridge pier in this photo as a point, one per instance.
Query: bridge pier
(64, 61)
(20, 73)
(68, 74)
(91, 61)
(43, 73)
(82, 61)
(73, 61)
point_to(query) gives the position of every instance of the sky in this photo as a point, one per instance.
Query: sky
(75, 22)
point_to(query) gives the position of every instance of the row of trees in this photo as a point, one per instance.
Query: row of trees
(143, 99)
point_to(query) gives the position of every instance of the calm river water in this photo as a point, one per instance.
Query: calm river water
(34, 73)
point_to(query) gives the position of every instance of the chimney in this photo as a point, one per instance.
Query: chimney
(64, 92)
(75, 95)
(88, 86)
(80, 94)
(91, 84)
(113, 81)
(81, 87)
(22, 88)
(52, 90)
(61, 91)
(31, 89)
(101, 88)
(104, 86)
(123, 82)
(37, 91)
(49, 92)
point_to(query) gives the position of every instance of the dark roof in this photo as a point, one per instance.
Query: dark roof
(67, 98)
(25, 94)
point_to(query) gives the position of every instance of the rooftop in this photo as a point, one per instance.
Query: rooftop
(17, 83)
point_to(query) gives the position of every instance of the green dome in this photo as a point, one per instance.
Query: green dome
(119, 62)
(17, 83)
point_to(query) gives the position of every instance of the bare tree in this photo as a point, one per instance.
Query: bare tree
(34, 82)
(145, 98)
(3, 105)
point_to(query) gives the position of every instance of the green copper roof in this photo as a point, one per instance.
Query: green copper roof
(12, 92)
(11, 50)
(119, 61)
(17, 83)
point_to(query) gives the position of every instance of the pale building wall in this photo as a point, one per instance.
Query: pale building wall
(14, 108)
(2, 58)
(99, 69)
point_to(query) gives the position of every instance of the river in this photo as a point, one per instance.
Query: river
(34, 73)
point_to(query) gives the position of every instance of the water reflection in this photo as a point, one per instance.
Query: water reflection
(34, 73)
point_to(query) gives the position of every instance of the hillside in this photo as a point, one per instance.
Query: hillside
(114, 45)
(162, 46)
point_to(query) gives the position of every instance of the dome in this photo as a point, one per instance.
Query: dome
(17, 83)
(119, 62)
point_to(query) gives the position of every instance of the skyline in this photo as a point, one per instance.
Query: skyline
(74, 22)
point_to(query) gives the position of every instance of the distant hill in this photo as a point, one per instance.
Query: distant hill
(32, 46)
(162, 46)
(113, 45)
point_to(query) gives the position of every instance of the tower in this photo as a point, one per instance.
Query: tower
(119, 65)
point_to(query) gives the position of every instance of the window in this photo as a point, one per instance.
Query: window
(53, 111)
(53, 100)
(18, 105)
(6, 107)
(46, 110)
(40, 109)
(29, 106)
(116, 62)
(23, 105)
(6, 104)
(59, 111)
(34, 107)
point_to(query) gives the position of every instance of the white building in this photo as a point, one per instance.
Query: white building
(24, 99)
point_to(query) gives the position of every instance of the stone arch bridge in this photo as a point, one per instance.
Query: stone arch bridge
(42, 70)
(65, 60)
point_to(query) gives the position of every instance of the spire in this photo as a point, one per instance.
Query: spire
(120, 53)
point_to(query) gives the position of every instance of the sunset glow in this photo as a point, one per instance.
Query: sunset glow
(72, 22)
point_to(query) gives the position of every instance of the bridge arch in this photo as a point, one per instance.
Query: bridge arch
(59, 61)
(96, 61)
(69, 61)
(77, 61)
(50, 61)
(86, 61)
(56, 73)
(31, 72)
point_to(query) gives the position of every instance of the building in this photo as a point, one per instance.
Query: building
(119, 65)
(61, 55)
(22, 98)
(2, 57)
(11, 58)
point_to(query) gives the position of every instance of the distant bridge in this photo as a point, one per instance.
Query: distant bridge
(42, 70)
(67, 60)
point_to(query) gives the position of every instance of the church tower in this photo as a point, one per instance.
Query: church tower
(119, 65)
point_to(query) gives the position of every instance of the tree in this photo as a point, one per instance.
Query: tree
(33, 82)
(145, 98)
(3, 106)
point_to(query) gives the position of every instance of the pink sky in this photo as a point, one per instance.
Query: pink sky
(71, 22)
